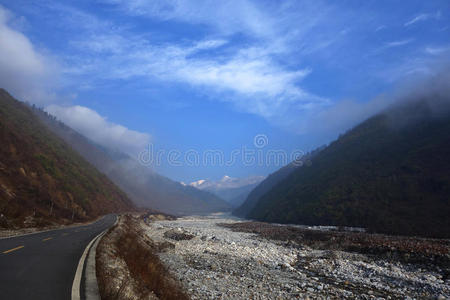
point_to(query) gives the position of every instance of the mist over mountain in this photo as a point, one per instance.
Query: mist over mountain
(145, 187)
(43, 179)
(389, 174)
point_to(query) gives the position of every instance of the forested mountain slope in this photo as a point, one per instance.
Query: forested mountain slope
(42, 179)
(390, 174)
(272, 180)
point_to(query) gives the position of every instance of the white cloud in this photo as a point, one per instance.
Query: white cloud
(423, 17)
(24, 72)
(225, 16)
(251, 54)
(390, 45)
(398, 43)
(209, 44)
(410, 68)
(30, 76)
(97, 128)
(256, 84)
(279, 26)
(262, 75)
(249, 76)
(244, 76)
(437, 50)
(109, 43)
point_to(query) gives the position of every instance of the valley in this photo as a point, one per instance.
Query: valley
(232, 149)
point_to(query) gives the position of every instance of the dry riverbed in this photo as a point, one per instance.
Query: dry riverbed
(222, 258)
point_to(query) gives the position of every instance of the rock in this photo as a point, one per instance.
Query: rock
(178, 235)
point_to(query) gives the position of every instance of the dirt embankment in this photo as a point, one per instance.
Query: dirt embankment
(128, 266)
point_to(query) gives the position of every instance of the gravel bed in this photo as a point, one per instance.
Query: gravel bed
(217, 263)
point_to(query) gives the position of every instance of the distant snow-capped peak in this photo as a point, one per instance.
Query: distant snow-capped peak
(198, 183)
(226, 182)
(227, 178)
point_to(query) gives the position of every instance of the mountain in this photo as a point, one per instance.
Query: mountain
(145, 187)
(232, 190)
(226, 182)
(267, 184)
(390, 174)
(42, 179)
(199, 183)
(252, 198)
(236, 196)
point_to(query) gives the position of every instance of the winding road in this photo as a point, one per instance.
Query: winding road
(43, 265)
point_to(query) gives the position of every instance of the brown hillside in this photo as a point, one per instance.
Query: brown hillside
(42, 179)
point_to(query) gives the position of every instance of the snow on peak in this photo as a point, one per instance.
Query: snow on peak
(226, 182)
(226, 178)
(198, 183)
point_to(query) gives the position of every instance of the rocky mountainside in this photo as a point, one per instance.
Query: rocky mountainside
(145, 187)
(42, 179)
(390, 174)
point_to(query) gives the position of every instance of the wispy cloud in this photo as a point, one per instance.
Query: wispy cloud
(209, 44)
(272, 59)
(249, 76)
(274, 25)
(389, 45)
(226, 16)
(437, 50)
(423, 17)
(256, 76)
(407, 68)
(398, 43)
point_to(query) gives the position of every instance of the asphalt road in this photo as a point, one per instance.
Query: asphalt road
(43, 265)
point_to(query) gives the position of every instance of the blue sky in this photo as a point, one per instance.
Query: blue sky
(212, 75)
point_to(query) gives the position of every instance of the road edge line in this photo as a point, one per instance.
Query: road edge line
(76, 284)
(91, 291)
